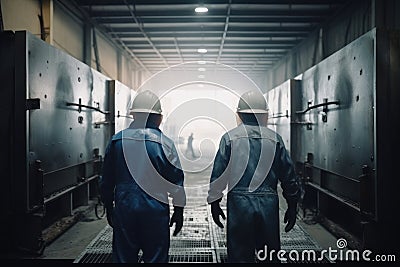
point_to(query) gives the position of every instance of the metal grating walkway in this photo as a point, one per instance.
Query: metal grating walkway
(199, 241)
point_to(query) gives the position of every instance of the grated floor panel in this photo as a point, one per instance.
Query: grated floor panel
(188, 243)
(184, 255)
(200, 241)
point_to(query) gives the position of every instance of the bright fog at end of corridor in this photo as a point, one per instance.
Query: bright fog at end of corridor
(199, 101)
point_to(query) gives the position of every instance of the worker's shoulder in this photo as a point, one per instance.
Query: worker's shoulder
(253, 131)
(166, 140)
(157, 136)
(144, 134)
(117, 136)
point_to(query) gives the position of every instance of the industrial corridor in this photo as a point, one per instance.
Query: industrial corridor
(199, 131)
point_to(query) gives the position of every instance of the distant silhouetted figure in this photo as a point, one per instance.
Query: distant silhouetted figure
(190, 146)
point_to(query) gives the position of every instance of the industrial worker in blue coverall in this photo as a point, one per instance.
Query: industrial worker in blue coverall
(141, 169)
(250, 161)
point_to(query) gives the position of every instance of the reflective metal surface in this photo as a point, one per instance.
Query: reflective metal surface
(340, 137)
(56, 127)
(332, 132)
(345, 142)
(329, 116)
(281, 110)
(62, 136)
(122, 96)
(60, 127)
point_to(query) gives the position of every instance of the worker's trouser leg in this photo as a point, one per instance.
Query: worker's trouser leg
(253, 224)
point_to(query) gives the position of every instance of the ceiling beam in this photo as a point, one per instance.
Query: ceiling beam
(124, 35)
(144, 33)
(221, 47)
(178, 50)
(189, 13)
(114, 39)
(204, 30)
(221, 19)
(193, 47)
(247, 42)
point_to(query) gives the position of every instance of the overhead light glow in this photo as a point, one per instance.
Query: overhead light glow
(201, 9)
(201, 62)
(202, 50)
(201, 69)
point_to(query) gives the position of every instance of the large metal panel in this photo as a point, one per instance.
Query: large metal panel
(72, 118)
(281, 111)
(340, 137)
(122, 97)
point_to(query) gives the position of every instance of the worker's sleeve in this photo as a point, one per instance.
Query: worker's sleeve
(290, 182)
(176, 177)
(219, 177)
(168, 165)
(107, 180)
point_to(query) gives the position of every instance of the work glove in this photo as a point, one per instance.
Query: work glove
(177, 218)
(109, 214)
(290, 216)
(216, 211)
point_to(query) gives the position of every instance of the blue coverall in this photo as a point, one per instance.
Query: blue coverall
(250, 161)
(141, 166)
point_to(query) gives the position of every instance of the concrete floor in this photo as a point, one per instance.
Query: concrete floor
(69, 245)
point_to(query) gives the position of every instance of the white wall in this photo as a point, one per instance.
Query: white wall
(108, 56)
(68, 33)
(21, 15)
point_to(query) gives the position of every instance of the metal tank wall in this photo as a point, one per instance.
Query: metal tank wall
(281, 108)
(341, 137)
(338, 143)
(63, 115)
(329, 118)
(122, 96)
